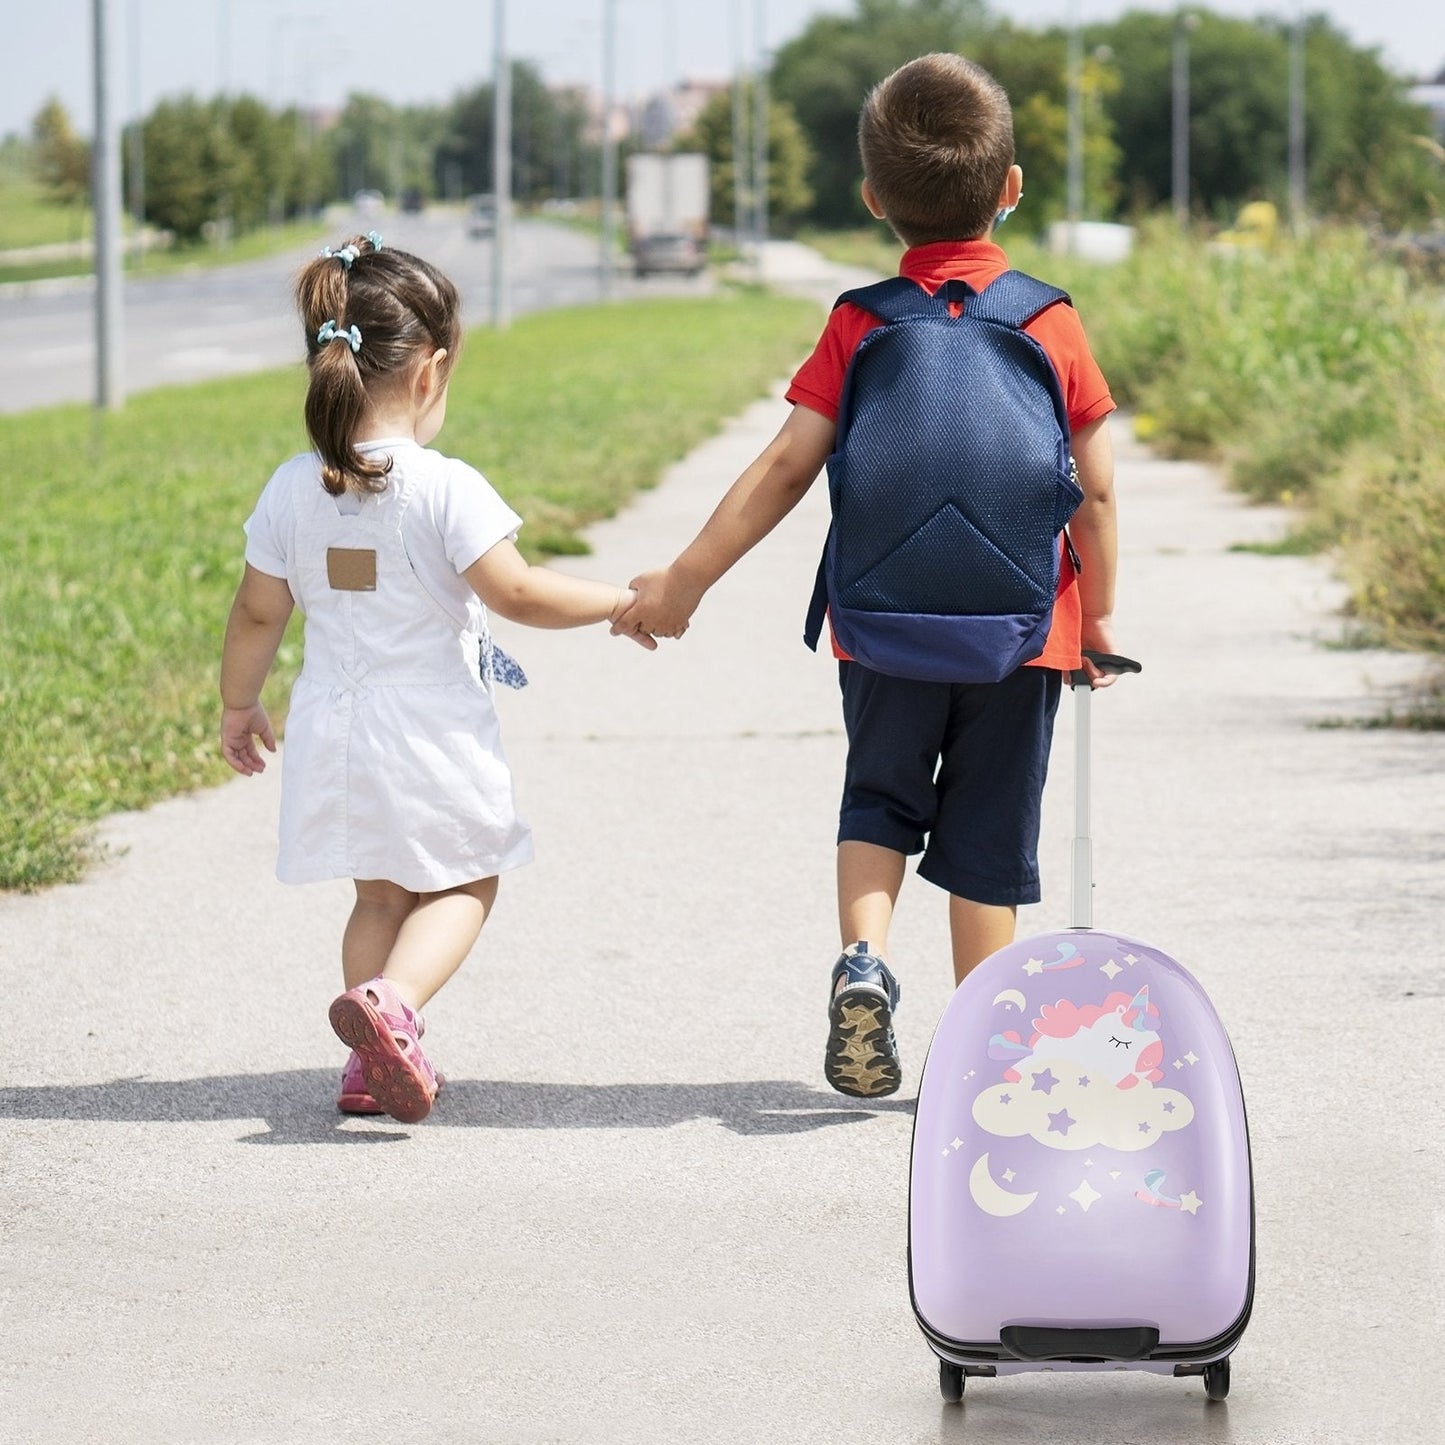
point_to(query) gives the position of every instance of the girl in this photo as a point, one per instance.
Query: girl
(394, 771)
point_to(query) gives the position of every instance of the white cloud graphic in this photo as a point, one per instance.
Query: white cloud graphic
(1064, 1107)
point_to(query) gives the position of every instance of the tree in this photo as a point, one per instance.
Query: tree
(548, 139)
(191, 166)
(789, 195)
(827, 71)
(1361, 155)
(61, 157)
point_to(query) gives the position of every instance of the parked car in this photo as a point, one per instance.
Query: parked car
(481, 216)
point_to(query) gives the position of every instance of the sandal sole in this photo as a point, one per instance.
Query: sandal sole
(398, 1087)
(861, 1057)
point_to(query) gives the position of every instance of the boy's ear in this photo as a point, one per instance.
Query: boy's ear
(871, 201)
(1013, 188)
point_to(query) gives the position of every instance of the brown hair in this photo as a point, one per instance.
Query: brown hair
(402, 309)
(936, 138)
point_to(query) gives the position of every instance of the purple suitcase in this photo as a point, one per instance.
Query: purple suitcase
(1081, 1196)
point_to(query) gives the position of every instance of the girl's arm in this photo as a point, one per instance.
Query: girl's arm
(538, 597)
(254, 630)
(765, 493)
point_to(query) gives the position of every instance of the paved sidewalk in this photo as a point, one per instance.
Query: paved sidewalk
(637, 1214)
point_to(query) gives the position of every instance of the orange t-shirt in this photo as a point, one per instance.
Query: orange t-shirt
(818, 385)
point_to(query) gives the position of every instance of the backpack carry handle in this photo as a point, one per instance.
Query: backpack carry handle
(1081, 900)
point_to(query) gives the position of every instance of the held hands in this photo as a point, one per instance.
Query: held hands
(239, 727)
(626, 598)
(661, 607)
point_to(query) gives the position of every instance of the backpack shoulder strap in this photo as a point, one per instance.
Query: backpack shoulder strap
(899, 299)
(1014, 299)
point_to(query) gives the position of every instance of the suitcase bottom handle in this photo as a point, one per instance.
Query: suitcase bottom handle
(1054, 1342)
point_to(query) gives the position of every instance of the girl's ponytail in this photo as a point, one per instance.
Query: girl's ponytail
(369, 314)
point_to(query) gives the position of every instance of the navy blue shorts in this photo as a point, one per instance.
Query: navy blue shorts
(954, 771)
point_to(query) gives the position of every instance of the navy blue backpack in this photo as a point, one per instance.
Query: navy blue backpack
(951, 482)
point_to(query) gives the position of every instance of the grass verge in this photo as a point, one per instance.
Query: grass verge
(123, 543)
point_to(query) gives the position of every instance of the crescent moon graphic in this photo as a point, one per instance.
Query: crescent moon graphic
(1013, 996)
(992, 1197)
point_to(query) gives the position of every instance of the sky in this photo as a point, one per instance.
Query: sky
(316, 52)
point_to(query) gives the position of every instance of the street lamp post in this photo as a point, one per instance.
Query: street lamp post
(609, 142)
(741, 155)
(760, 133)
(1297, 122)
(105, 197)
(1075, 174)
(501, 168)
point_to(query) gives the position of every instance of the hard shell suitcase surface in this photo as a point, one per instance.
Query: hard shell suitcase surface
(1080, 1193)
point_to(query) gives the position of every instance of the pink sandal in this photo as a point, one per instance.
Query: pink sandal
(383, 1032)
(354, 1097)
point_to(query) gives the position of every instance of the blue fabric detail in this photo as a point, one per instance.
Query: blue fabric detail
(501, 667)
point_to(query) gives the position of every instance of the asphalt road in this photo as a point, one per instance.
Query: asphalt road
(222, 320)
(637, 1214)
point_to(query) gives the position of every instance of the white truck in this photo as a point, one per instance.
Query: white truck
(667, 212)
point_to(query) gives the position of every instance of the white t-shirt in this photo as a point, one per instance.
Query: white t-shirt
(455, 516)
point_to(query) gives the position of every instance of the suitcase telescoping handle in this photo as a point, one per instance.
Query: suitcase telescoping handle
(1081, 904)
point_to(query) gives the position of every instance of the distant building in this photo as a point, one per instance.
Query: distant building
(670, 113)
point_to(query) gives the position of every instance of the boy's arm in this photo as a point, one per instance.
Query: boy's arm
(765, 493)
(1094, 531)
(253, 633)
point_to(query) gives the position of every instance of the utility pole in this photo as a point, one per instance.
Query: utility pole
(609, 144)
(760, 134)
(1297, 122)
(1184, 23)
(137, 136)
(501, 168)
(740, 132)
(106, 201)
(1075, 200)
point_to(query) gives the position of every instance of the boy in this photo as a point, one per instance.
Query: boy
(954, 770)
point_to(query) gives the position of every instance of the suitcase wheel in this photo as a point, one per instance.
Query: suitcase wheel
(950, 1381)
(1216, 1379)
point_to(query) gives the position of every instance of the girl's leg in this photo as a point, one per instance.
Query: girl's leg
(437, 933)
(371, 932)
(977, 930)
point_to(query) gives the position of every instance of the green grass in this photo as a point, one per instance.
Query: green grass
(123, 544)
(28, 217)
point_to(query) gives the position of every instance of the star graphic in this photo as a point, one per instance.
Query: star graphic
(1034, 965)
(1044, 1083)
(1088, 1163)
(1143, 1128)
(1190, 1202)
(945, 1153)
(1059, 1210)
(1086, 1195)
(1060, 1123)
(1131, 959)
(1168, 1108)
(1005, 1098)
(1084, 1082)
(1178, 1063)
(1009, 1176)
(958, 1143)
(1191, 1057)
(1110, 970)
(1115, 1173)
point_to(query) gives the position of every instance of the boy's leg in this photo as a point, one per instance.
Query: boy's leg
(869, 878)
(977, 930)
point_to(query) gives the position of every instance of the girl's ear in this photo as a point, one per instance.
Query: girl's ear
(871, 201)
(432, 374)
(1013, 189)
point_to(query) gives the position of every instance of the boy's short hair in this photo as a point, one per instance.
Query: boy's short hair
(936, 138)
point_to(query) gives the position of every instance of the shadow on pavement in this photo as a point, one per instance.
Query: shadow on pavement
(297, 1106)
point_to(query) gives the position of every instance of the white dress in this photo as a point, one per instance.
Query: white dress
(393, 765)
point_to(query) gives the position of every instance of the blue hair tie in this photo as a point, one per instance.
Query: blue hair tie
(330, 332)
(346, 255)
(375, 238)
